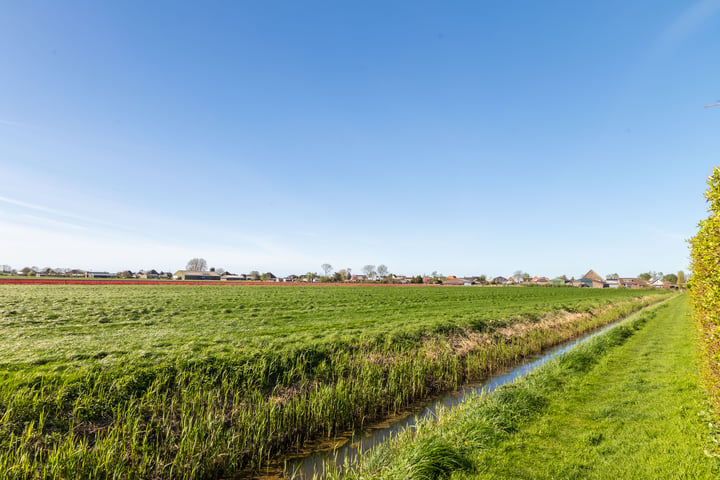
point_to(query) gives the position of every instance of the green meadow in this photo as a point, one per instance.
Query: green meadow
(203, 381)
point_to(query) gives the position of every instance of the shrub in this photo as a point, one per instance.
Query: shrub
(704, 286)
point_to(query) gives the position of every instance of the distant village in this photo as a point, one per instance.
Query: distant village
(370, 274)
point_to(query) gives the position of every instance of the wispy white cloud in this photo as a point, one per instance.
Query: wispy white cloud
(690, 22)
(36, 233)
(55, 215)
(32, 206)
(12, 123)
(36, 244)
(53, 223)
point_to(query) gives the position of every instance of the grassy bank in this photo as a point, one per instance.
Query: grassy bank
(628, 404)
(198, 382)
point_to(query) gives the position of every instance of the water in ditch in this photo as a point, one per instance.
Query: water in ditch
(344, 448)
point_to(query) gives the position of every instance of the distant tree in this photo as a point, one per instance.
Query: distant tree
(196, 265)
(612, 276)
(6, 268)
(220, 271)
(327, 268)
(311, 276)
(651, 275)
(416, 279)
(126, 274)
(265, 277)
(27, 271)
(369, 270)
(348, 274)
(382, 270)
(681, 278)
(670, 277)
(482, 279)
(518, 275)
(525, 277)
(338, 276)
(254, 275)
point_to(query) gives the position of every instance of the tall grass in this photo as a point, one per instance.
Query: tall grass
(164, 412)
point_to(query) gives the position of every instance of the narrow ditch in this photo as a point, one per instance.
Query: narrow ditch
(312, 461)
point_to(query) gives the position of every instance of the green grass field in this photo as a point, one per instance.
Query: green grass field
(628, 404)
(202, 381)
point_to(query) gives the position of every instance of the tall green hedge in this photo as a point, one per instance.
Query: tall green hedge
(704, 285)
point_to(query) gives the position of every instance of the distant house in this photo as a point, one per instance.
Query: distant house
(359, 278)
(48, 272)
(98, 275)
(150, 275)
(558, 282)
(612, 283)
(591, 279)
(630, 282)
(499, 280)
(192, 275)
(453, 280)
(398, 279)
(229, 277)
(540, 280)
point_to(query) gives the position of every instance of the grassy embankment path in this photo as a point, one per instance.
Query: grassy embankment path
(630, 405)
(640, 413)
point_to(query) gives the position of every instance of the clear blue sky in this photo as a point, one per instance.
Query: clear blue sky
(463, 137)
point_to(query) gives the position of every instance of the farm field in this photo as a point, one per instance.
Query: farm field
(185, 381)
(628, 404)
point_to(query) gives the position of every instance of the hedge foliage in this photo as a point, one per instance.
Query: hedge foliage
(704, 285)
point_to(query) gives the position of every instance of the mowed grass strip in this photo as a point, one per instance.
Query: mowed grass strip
(197, 382)
(627, 405)
(640, 413)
